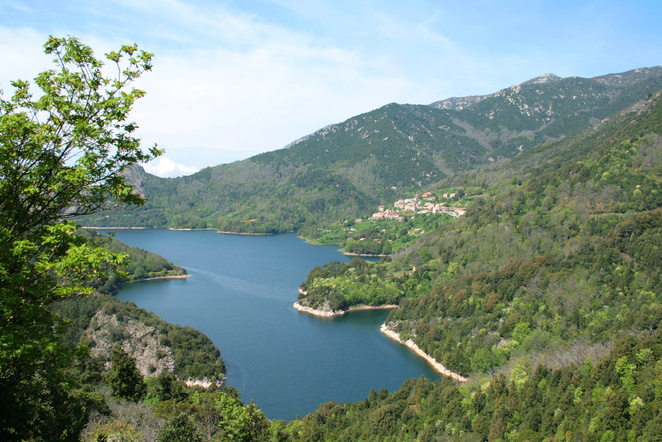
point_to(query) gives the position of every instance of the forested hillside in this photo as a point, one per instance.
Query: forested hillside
(141, 264)
(546, 294)
(99, 321)
(345, 170)
(616, 397)
(550, 286)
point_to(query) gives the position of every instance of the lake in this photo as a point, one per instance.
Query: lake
(240, 294)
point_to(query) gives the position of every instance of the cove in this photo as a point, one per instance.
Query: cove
(240, 294)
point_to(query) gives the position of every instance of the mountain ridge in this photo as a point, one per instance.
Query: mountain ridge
(345, 169)
(627, 78)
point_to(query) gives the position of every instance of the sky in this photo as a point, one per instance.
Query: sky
(232, 79)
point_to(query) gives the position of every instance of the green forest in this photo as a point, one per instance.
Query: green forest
(615, 397)
(546, 294)
(141, 264)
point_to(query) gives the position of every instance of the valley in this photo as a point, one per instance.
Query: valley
(519, 235)
(536, 270)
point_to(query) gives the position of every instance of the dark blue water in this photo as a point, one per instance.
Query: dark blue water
(240, 294)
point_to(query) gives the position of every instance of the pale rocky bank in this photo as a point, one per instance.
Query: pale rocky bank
(386, 329)
(327, 312)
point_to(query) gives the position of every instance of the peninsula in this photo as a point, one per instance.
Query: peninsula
(327, 312)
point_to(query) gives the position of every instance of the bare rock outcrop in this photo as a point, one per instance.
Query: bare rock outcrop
(137, 339)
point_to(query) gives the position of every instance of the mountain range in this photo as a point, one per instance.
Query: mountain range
(347, 169)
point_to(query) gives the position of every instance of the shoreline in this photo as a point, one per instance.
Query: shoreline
(362, 255)
(317, 312)
(154, 278)
(116, 228)
(182, 230)
(432, 361)
(204, 382)
(244, 233)
(372, 307)
(332, 313)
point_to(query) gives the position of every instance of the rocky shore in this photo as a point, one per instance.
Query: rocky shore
(365, 255)
(114, 228)
(412, 345)
(154, 278)
(244, 233)
(372, 307)
(326, 312)
(204, 383)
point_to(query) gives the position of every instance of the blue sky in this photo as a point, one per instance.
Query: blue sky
(235, 78)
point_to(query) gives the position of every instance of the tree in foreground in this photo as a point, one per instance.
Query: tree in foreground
(124, 377)
(62, 154)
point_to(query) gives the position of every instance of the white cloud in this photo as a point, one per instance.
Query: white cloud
(257, 98)
(22, 55)
(240, 78)
(166, 168)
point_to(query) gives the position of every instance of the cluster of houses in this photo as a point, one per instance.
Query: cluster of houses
(419, 205)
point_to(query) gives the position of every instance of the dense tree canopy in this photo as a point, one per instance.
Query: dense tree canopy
(62, 153)
(124, 377)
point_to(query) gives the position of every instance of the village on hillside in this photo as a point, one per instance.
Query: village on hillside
(389, 229)
(420, 205)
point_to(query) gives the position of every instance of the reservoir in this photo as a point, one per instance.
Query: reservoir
(240, 294)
